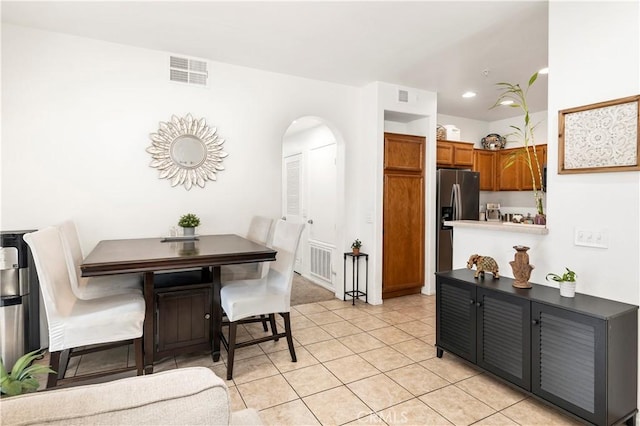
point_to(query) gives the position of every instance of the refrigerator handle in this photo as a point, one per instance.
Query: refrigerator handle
(456, 201)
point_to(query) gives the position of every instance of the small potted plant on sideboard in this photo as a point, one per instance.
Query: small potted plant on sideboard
(567, 282)
(188, 222)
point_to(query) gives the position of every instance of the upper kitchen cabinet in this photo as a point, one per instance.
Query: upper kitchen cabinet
(458, 155)
(494, 176)
(484, 162)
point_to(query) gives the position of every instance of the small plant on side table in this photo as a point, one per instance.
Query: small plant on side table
(21, 378)
(567, 282)
(355, 246)
(189, 222)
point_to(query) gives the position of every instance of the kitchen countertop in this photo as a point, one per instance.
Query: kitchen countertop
(500, 226)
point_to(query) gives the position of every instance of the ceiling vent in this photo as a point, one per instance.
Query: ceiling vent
(188, 71)
(403, 96)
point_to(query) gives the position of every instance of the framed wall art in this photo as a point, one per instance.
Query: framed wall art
(600, 137)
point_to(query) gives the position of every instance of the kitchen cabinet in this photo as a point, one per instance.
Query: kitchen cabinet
(579, 354)
(484, 162)
(452, 154)
(526, 184)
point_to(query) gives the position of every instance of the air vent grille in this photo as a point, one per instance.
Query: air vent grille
(188, 71)
(403, 96)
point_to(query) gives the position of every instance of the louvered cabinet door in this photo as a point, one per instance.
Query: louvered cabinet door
(456, 318)
(569, 362)
(504, 336)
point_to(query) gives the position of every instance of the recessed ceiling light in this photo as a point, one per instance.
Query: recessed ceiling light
(544, 70)
(468, 94)
(507, 102)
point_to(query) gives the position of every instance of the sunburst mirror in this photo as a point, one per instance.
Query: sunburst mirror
(186, 151)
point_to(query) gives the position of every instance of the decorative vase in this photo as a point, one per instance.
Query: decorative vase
(567, 288)
(356, 251)
(521, 267)
(540, 219)
(188, 231)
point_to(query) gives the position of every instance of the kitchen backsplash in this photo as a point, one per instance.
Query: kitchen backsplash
(518, 202)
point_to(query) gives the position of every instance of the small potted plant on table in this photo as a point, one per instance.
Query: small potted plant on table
(355, 246)
(567, 282)
(188, 222)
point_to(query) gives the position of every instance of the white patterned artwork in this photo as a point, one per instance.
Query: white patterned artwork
(601, 137)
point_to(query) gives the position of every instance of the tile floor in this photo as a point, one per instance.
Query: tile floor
(358, 365)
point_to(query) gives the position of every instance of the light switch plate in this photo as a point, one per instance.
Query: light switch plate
(598, 238)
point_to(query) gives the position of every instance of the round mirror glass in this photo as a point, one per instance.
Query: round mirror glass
(188, 151)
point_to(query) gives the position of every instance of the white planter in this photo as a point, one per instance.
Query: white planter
(568, 288)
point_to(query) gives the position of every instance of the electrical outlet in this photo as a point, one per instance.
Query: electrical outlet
(597, 238)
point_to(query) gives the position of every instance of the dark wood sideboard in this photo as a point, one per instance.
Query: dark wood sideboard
(579, 354)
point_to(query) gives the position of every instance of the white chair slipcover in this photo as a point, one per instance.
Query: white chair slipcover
(261, 232)
(93, 287)
(265, 296)
(74, 322)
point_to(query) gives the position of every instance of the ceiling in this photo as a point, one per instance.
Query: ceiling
(447, 47)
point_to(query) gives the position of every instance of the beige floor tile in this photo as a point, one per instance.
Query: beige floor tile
(326, 317)
(416, 328)
(496, 419)
(367, 419)
(336, 406)
(267, 392)
(351, 368)
(282, 359)
(361, 342)
(417, 379)
(334, 304)
(430, 339)
(400, 302)
(298, 323)
(102, 361)
(310, 308)
(341, 328)
(309, 380)
(390, 335)
(280, 345)
(290, 413)
(415, 349)
(350, 313)
(412, 412)
(237, 402)
(258, 367)
(394, 317)
(531, 412)
(310, 335)
(495, 394)
(328, 350)
(374, 309)
(221, 371)
(386, 358)
(369, 323)
(457, 406)
(379, 392)
(450, 367)
(416, 312)
(430, 320)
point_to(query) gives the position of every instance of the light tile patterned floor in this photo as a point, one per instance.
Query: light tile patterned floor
(360, 364)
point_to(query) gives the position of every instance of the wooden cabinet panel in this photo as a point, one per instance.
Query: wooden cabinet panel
(526, 184)
(403, 216)
(485, 163)
(508, 177)
(454, 154)
(456, 318)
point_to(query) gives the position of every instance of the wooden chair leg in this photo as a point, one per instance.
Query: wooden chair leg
(264, 322)
(137, 348)
(274, 327)
(54, 362)
(287, 329)
(232, 348)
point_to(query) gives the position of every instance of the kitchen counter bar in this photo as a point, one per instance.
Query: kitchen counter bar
(500, 226)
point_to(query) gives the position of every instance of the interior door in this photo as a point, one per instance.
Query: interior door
(293, 199)
(321, 216)
(403, 215)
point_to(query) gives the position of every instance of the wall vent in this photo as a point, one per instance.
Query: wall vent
(320, 264)
(188, 71)
(403, 96)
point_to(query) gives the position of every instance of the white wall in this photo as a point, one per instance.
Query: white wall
(470, 130)
(77, 114)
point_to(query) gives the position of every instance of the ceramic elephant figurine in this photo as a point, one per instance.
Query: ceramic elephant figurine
(483, 264)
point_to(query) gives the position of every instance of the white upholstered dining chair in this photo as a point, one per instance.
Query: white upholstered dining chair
(260, 231)
(244, 300)
(93, 287)
(75, 323)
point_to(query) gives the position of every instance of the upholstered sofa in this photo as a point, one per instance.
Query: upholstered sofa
(187, 396)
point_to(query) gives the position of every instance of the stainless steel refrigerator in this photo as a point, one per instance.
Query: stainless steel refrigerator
(458, 198)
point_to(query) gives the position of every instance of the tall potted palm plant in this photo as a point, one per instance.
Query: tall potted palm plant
(518, 98)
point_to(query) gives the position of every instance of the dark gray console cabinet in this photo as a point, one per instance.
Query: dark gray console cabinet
(580, 354)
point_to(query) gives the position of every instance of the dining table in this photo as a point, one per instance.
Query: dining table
(151, 256)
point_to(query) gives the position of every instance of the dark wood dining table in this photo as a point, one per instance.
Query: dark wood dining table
(156, 255)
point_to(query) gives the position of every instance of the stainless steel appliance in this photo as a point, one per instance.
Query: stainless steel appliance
(19, 302)
(493, 212)
(458, 198)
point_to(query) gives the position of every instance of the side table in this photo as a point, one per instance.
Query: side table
(355, 292)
